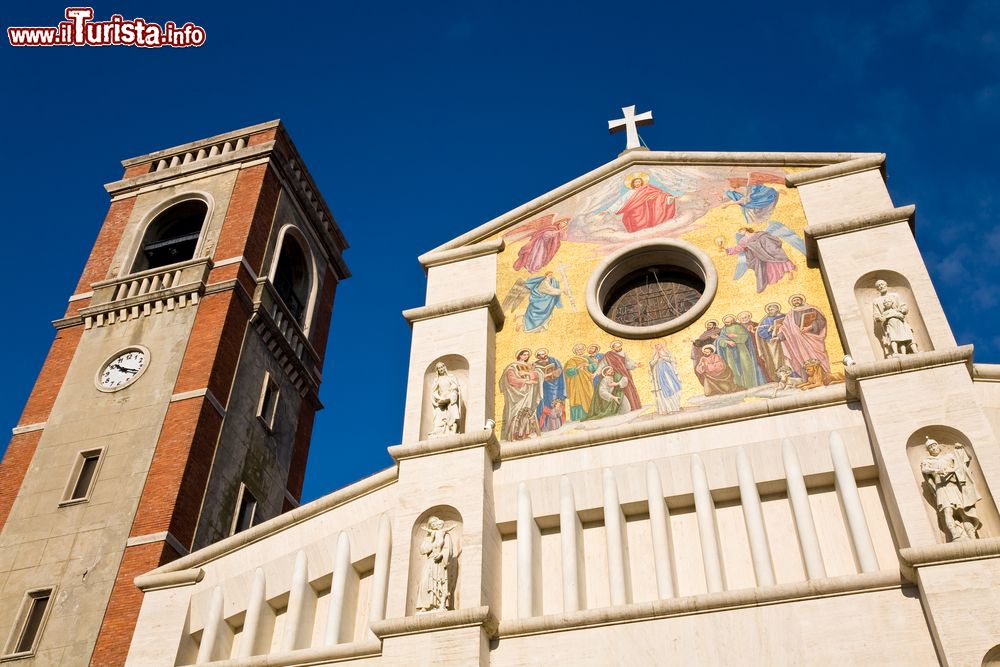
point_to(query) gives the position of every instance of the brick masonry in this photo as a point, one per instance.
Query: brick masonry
(123, 607)
(21, 448)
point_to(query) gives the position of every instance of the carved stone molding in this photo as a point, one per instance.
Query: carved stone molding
(854, 224)
(836, 170)
(913, 558)
(629, 159)
(282, 521)
(309, 656)
(986, 372)
(443, 620)
(682, 421)
(905, 364)
(154, 581)
(439, 257)
(434, 310)
(696, 604)
(450, 443)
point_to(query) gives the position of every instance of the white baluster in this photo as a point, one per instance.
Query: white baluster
(529, 584)
(753, 515)
(799, 498)
(227, 147)
(705, 509)
(342, 569)
(380, 576)
(175, 160)
(614, 530)
(188, 157)
(847, 488)
(571, 535)
(216, 632)
(213, 151)
(202, 154)
(659, 523)
(241, 143)
(301, 607)
(259, 622)
(161, 164)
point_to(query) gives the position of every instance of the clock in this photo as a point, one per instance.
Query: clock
(122, 369)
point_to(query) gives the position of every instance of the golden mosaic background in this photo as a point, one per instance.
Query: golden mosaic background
(569, 326)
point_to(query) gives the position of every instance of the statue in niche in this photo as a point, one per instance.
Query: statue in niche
(438, 578)
(890, 314)
(446, 398)
(948, 476)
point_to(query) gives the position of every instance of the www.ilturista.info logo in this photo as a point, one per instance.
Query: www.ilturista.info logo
(79, 29)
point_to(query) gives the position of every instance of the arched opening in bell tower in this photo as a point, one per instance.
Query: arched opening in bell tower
(291, 278)
(172, 236)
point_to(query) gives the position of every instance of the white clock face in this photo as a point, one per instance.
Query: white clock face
(122, 370)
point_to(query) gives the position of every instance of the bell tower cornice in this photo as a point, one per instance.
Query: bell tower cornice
(265, 142)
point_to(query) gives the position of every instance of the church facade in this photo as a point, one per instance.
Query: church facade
(687, 408)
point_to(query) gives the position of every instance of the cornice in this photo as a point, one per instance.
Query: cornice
(855, 166)
(434, 310)
(855, 224)
(913, 558)
(444, 620)
(696, 604)
(283, 521)
(631, 158)
(681, 421)
(449, 443)
(908, 363)
(201, 143)
(439, 257)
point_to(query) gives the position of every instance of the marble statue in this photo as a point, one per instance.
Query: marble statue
(446, 398)
(890, 314)
(955, 495)
(438, 578)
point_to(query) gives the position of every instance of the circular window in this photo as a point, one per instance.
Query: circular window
(653, 295)
(651, 288)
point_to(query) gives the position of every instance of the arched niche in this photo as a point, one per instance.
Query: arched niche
(418, 561)
(992, 657)
(866, 294)
(172, 235)
(293, 274)
(459, 367)
(916, 452)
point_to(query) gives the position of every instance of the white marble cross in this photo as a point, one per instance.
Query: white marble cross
(630, 122)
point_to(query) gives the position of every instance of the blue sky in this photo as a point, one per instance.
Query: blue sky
(420, 121)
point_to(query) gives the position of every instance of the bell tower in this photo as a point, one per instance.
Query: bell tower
(176, 404)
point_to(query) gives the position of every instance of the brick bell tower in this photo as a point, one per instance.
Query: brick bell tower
(176, 404)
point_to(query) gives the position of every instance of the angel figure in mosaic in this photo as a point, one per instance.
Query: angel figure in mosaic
(544, 295)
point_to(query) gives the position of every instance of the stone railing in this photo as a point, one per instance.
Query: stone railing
(315, 584)
(147, 292)
(227, 146)
(281, 331)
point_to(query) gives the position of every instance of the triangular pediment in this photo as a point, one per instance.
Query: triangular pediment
(699, 166)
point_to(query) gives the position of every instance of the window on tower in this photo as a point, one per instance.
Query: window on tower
(267, 407)
(291, 278)
(30, 621)
(246, 510)
(82, 477)
(172, 236)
